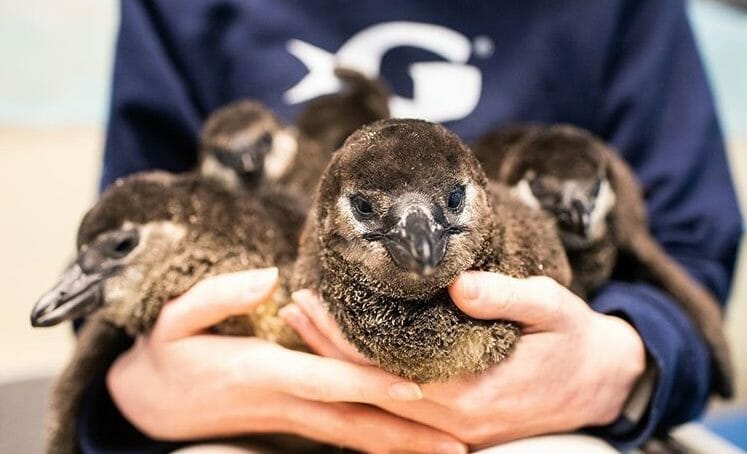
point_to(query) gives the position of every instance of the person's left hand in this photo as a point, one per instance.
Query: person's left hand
(571, 368)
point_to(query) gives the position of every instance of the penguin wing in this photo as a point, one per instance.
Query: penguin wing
(629, 213)
(99, 343)
(308, 267)
(527, 240)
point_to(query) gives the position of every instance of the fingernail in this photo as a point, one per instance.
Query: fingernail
(470, 289)
(302, 302)
(451, 448)
(405, 391)
(291, 311)
(262, 279)
(300, 295)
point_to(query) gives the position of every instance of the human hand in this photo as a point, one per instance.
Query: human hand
(180, 383)
(572, 367)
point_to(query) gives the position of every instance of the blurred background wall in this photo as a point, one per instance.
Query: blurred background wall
(54, 77)
(54, 83)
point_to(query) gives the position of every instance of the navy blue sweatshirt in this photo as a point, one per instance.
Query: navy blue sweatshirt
(626, 70)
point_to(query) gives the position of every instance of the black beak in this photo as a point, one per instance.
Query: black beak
(249, 166)
(75, 295)
(251, 160)
(418, 244)
(248, 163)
(575, 218)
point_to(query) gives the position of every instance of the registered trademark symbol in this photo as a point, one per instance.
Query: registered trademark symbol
(483, 46)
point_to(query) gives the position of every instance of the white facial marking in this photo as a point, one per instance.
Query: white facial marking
(604, 203)
(524, 193)
(161, 234)
(284, 149)
(171, 230)
(211, 168)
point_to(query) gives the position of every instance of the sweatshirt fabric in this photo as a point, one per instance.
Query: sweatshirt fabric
(628, 71)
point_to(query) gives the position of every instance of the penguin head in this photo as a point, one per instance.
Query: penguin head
(109, 273)
(244, 142)
(405, 202)
(563, 171)
(134, 230)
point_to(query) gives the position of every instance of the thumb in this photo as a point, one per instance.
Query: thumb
(212, 300)
(536, 301)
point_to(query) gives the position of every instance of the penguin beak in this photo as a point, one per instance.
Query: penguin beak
(250, 166)
(418, 244)
(575, 217)
(247, 164)
(77, 294)
(251, 160)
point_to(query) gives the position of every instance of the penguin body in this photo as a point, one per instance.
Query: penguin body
(330, 119)
(403, 209)
(600, 214)
(148, 239)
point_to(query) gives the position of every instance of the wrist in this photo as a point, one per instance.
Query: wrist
(622, 362)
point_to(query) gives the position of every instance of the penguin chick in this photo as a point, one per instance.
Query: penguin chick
(151, 236)
(402, 209)
(148, 239)
(600, 212)
(243, 142)
(576, 194)
(330, 119)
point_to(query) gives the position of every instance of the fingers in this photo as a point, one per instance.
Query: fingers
(213, 300)
(310, 334)
(312, 307)
(535, 301)
(370, 429)
(322, 379)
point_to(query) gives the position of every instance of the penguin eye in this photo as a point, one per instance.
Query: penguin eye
(363, 208)
(122, 244)
(456, 197)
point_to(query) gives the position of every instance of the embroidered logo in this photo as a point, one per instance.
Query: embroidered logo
(442, 90)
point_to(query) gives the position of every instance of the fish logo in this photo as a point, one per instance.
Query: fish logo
(442, 90)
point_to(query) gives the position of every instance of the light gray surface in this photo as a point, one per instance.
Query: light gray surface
(22, 407)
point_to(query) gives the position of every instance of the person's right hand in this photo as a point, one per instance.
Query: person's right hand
(179, 383)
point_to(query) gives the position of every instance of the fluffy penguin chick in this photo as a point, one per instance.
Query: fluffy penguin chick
(243, 142)
(534, 161)
(401, 211)
(600, 212)
(330, 119)
(150, 238)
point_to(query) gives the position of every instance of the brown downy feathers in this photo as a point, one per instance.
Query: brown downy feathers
(403, 209)
(600, 213)
(148, 239)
